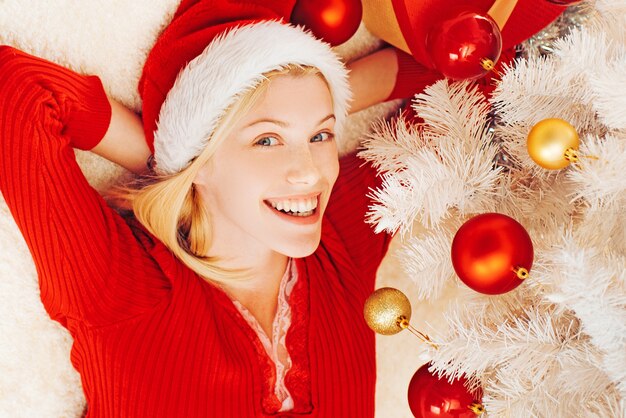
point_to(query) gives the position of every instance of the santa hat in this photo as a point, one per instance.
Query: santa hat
(210, 55)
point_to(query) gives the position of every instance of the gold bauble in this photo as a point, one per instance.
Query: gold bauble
(553, 143)
(386, 309)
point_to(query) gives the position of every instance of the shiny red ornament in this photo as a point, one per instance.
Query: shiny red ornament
(491, 253)
(465, 47)
(432, 397)
(334, 21)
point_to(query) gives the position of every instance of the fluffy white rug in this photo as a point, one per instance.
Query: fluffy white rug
(112, 39)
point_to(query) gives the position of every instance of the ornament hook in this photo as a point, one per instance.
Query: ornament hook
(403, 323)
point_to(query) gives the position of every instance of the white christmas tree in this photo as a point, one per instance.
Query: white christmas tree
(556, 345)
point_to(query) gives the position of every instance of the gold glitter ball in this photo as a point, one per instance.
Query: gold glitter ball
(385, 309)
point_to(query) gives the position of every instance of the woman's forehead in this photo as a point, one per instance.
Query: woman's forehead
(286, 97)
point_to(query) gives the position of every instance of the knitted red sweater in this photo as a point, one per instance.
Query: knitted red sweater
(151, 338)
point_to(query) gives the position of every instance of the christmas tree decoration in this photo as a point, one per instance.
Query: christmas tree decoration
(492, 253)
(553, 144)
(334, 21)
(433, 397)
(557, 343)
(466, 46)
(387, 311)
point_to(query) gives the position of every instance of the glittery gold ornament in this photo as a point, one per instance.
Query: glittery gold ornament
(553, 144)
(386, 309)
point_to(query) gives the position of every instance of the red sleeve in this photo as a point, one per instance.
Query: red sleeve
(347, 209)
(85, 254)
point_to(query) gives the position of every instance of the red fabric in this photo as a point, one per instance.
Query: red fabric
(195, 24)
(528, 18)
(151, 338)
(418, 17)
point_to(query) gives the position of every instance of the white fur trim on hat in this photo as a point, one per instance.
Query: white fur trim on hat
(233, 63)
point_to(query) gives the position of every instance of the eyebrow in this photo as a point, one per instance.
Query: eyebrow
(284, 124)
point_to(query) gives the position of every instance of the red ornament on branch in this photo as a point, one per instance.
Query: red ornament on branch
(334, 21)
(466, 46)
(432, 397)
(492, 253)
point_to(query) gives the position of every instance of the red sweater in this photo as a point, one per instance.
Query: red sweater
(151, 338)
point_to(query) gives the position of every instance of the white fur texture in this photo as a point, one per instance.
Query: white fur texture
(112, 39)
(231, 65)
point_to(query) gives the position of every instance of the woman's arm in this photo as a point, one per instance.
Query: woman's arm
(372, 78)
(385, 75)
(87, 257)
(124, 142)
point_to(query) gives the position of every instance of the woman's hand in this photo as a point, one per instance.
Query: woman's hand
(124, 142)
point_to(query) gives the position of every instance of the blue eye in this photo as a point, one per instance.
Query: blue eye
(266, 141)
(322, 136)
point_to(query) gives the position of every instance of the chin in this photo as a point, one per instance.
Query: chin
(301, 250)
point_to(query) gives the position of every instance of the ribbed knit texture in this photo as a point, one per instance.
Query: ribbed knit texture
(151, 338)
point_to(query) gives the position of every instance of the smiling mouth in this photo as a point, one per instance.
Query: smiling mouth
(290, 213)
(295, 213)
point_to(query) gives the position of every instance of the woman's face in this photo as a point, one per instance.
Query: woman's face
(269, 182)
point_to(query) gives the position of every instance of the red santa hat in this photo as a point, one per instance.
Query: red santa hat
(210, 55)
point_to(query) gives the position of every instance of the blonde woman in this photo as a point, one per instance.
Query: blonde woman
(234, 285)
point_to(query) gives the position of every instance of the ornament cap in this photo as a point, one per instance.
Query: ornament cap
(477, 408)
(571, 155)
(521, 273)
(487, 64)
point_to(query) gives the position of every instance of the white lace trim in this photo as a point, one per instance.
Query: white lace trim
(276, 348)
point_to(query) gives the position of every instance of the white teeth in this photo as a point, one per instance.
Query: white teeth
(304, 205)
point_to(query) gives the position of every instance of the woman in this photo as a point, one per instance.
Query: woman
(208, 301)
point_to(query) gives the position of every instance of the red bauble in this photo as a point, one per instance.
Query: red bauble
(465, 47)
(335, 21)
(432, 397)
(487, 250)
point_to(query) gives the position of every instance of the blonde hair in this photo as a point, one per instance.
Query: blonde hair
(173, 211)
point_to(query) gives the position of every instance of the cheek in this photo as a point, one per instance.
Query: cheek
(329, 165)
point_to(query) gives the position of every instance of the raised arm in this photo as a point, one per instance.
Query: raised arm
(86, 256)
(124, 142)
(385, 75)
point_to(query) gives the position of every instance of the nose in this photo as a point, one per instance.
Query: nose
(303, 168)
